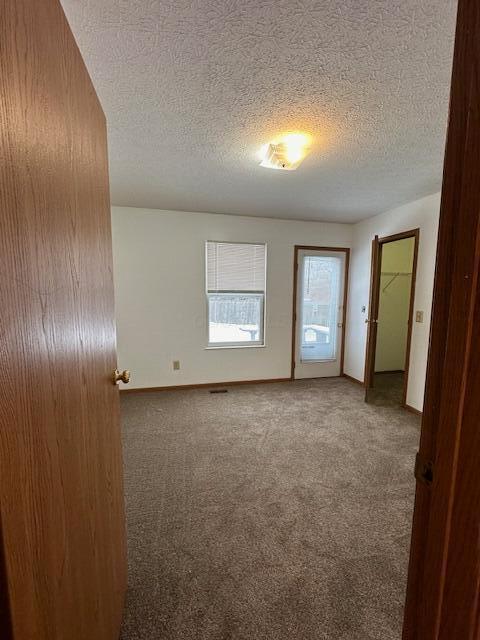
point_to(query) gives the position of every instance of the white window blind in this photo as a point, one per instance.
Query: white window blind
(235, 294)
(235, 267)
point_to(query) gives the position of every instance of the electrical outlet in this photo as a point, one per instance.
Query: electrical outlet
(419, 316)
(176, 365)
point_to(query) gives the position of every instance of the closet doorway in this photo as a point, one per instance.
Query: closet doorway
(392, 295)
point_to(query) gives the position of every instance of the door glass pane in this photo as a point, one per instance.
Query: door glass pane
(321, 277)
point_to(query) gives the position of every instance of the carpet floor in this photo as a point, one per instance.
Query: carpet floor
(271, 512)
(387, 390)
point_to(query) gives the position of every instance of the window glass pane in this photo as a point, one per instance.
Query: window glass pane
(320, 307)
(235, 318)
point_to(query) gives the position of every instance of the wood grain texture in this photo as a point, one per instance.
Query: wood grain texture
(372, 316)
(444, 575)
(61, 493)
(413, 284)
(5, 619)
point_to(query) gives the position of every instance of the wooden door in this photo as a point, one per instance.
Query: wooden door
(372, 319)
(374, 307)
(62, 560)
(443, 591)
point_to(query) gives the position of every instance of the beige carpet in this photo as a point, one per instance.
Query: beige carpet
(271, 512)
(387, 390)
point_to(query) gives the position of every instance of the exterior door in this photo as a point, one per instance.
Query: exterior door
(63, 560)
(319, 312)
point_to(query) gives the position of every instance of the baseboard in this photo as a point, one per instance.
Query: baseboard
(352, 379)
(413, 410)
(203, 385)
(378, 373)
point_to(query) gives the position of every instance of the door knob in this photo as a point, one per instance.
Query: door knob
(124, 376)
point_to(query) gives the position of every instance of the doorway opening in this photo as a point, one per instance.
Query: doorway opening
(319, 308)
(394, 264)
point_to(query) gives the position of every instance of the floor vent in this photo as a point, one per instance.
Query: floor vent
(218, 390)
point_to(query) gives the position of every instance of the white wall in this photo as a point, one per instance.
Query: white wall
(159, 262)
(423, 214)
(394, 304)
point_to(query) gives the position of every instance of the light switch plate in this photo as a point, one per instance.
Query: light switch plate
(176, 365)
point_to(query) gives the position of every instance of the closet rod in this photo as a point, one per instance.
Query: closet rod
(396, 273)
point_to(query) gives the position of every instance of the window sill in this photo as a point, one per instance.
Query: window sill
(235, 346)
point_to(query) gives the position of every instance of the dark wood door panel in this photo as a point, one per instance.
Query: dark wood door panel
(444, 575)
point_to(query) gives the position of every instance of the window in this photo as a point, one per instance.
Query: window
(235, 293)
(321, 281)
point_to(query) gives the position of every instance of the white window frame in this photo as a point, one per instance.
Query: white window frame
(260, 343)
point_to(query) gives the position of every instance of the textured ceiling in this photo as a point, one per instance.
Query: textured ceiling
(192, 89)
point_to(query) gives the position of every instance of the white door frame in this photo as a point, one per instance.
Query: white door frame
(298, 248)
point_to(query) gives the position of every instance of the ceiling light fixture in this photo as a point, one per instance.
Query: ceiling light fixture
(285, 152)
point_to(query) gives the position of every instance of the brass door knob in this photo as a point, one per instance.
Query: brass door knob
(123, 377)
